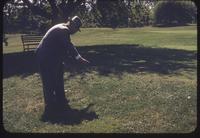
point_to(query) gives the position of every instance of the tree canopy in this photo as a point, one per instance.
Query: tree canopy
(39, 15)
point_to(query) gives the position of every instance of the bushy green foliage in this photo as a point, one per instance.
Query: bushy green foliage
(139, 16)
(24, 21)
(114, 14)
(20, 18)
(175, 12)
(89, 19)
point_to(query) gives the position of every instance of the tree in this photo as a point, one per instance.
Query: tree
(59, 10)
(139, 12)
(175, 13)
(108, 12)
(36, 14)
(90, 15)
(39, 15)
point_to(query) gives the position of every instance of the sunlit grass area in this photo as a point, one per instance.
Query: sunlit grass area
(172, 37)
(140, 80)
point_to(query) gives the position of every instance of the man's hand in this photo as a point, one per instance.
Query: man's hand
(83, 60)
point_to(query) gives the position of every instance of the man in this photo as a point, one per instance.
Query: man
(52, 51)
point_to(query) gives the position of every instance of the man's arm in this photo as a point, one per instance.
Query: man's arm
(73, 52)
(69, 48)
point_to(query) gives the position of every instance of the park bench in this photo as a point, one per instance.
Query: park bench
(30, 41)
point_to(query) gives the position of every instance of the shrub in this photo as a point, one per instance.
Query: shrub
(175, 13)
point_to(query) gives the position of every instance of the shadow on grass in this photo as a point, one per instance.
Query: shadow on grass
(21, 63)
(107, 59)
(71, 116)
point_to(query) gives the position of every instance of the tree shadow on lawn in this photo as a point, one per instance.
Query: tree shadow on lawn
(71, 116)
(117, 59)
(107, 59)
(21, 63)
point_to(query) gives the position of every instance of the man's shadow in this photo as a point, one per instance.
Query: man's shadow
(70, 116)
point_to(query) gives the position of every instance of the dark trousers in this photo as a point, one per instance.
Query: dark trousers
(53, 84)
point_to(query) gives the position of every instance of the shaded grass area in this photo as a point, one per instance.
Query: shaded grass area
(110, 59)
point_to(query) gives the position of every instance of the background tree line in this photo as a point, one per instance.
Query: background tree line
(39, 15)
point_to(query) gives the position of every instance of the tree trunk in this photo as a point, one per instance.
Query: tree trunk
(55, 12)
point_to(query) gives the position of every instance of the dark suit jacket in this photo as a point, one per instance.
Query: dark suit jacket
(56, 45)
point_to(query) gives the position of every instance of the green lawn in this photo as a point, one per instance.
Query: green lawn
(140, 80)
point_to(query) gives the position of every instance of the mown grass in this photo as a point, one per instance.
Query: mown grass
(141, 80)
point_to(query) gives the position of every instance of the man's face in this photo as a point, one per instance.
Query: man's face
(73, 29)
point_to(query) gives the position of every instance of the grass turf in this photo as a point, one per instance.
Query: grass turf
(141, 80)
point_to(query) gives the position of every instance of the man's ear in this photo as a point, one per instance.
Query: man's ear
(69, 18)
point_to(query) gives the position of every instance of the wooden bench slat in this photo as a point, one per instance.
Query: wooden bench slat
(31, 37)
(30, 41)
(31, 44)
(36, 39)
(31, 48)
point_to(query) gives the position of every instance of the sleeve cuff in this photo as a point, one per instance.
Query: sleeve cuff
(78, 56)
